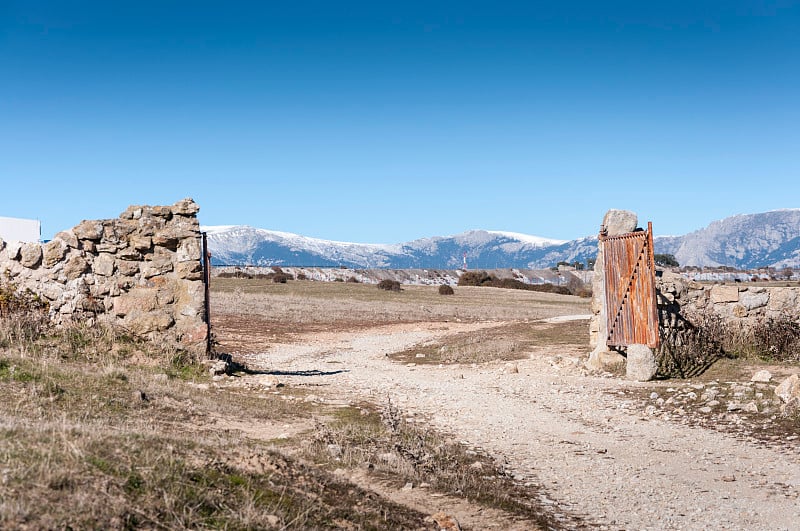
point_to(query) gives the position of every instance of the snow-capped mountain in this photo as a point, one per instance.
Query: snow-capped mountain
(243, 245)
(744, 241)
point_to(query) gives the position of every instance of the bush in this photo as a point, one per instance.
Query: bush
(445, 289)
(476, 278)
(484, 279)
(777, 339)
(389, 285)
(353, 280)
(688, 348)
(280, 278)
(235, 274)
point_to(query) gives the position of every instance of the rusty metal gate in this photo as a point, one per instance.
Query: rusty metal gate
(630, 289)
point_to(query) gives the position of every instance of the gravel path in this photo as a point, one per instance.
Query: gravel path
(596, 452)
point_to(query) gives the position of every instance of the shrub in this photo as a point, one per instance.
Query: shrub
(445, 289)
(353, 280)
(235, 274)
(301, 276)
(484, 279)
(389, 285)
(476, 278)
(280, 278)
(689, 347)
(777, 338)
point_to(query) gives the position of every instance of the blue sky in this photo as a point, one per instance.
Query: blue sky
(384, 122)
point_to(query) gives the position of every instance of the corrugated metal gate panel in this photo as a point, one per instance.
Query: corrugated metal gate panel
(630, 289)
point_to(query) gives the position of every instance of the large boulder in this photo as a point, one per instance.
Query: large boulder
(642, 365)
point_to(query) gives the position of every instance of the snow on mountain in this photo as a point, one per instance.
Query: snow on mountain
(746, 241)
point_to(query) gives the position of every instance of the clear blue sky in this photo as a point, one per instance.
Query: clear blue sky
(389, 121)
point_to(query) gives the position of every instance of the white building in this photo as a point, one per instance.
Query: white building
(20, 230)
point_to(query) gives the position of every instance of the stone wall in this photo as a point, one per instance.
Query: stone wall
(744, 305)
(141, 271)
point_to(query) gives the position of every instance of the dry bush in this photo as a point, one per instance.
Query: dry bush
(445, 289)
(484, 279)
(777, 339)
(475, 278)
(389, 285)
(353, 280)
(280, 278)
(691, 346)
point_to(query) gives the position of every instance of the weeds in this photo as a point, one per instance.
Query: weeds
(384, 442)
(690, 345)
(92, 440)
(778, 339)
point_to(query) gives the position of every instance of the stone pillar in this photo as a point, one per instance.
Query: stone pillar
(615, 222)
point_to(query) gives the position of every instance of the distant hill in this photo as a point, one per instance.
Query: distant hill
(769, 239)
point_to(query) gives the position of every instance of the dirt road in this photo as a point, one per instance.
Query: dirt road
(595, 450)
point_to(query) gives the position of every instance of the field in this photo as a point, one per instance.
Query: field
(350, 407)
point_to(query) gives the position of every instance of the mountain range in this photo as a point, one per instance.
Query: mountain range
(746, 241)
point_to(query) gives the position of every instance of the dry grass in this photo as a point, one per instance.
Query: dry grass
(264, 311)
(105, 431)
(506, 342)
(382, 442)
(105, 442)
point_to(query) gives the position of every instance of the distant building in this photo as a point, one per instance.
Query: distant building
(20, 230)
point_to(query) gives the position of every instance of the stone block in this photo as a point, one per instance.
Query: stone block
(142, 243)
(186, 207)
(789, 389)
(89, 230)
(138, 300)
(752, 300)
(618, 222)
(189, 250)
(166, 239)
(129, 253)
(157, 266)
(103, 265)
(641, 365)
(68, 237)
(127, 268)
(75, 267)
(162, 212)
(721, 294)
(150, 322)
(31, 255)
(13, 250)
(190, 271)
(53, 252)
(782, 299)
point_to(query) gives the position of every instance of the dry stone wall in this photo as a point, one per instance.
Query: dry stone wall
(142, 271)
(744, 305)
